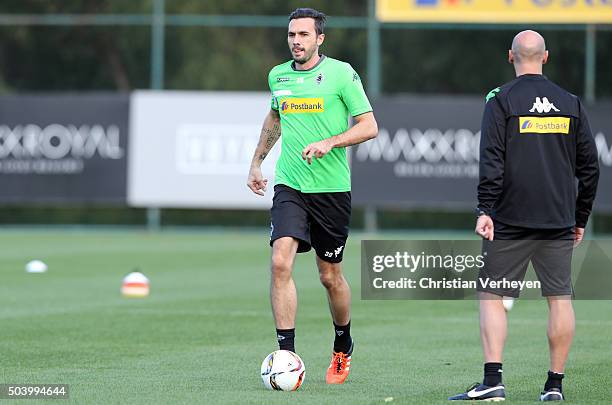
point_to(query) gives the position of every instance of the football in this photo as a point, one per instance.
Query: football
(283, 370)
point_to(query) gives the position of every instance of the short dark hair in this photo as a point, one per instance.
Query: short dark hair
(318, 17)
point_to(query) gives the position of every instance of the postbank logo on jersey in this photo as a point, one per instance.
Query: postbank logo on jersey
(302, 105)
(544, 125)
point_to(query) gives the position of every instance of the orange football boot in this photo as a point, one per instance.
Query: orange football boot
(339, 368)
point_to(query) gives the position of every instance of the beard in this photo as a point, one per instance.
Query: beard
(308, 53)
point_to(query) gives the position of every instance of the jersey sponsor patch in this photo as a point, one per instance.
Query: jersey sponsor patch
(302, 105)
(544, 125)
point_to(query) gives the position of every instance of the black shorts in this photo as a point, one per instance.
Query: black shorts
(318, 220)
(508, 256)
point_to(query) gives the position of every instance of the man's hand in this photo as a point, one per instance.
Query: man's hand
(484, 227)
(578, 235)
(256, 182)
(316, 150)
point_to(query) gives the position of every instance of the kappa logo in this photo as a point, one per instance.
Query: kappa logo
(282, 79)
(319, 78)
(543, 106)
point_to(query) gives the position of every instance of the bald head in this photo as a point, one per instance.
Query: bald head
(528, 47)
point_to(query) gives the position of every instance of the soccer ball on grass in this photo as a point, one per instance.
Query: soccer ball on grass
(283, 370)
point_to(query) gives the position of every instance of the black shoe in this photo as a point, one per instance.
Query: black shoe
(553, 394)
(481, 392)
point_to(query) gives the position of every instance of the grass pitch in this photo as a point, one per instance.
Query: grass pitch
(202, 334)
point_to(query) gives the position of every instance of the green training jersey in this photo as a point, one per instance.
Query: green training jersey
(314, 105)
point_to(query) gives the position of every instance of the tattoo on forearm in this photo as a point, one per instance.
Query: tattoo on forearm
(270, 135)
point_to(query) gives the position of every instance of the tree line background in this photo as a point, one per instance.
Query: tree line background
(414, 60)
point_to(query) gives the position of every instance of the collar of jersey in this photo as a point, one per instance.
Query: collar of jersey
(532, 76)
(323, 57)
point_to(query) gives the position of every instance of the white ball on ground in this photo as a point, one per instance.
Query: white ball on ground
(283, 370)
(36, 266)
(508, 303)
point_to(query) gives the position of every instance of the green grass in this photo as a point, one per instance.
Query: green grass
(202, 334)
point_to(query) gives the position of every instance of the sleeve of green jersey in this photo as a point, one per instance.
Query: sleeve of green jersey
(274, 100)
(353, 95)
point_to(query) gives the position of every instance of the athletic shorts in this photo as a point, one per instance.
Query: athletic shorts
(318, 220)
(508, 255)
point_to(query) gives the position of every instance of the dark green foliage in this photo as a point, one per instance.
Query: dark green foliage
(85, 58)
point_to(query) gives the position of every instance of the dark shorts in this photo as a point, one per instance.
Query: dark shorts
(318, 220)
(508, 256)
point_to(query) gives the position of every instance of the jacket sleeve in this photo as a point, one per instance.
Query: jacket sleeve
(492, 155)
(587, 169)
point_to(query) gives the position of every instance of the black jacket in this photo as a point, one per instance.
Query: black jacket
(538, 159)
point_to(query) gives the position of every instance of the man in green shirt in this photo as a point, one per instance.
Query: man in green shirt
(312, 97)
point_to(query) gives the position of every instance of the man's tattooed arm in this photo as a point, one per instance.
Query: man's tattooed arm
(270, 132)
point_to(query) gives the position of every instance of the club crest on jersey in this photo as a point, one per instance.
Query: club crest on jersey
(319, 78)
(543, 106)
